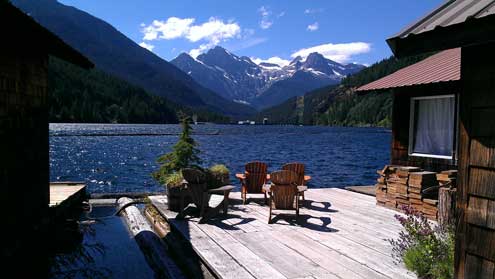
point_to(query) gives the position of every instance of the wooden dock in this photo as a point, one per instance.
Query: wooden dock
(341, 234)
(65, 193)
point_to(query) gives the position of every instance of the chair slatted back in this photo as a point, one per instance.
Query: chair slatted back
(255, 182)
(284, 189)
(256, 167)
(196, 185)
(297, 168)
(255, 176)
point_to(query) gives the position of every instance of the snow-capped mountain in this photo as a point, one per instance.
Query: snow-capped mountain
(242, 80)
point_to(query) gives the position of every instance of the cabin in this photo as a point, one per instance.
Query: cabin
(425, 111)
(459, 115)
(24, 146)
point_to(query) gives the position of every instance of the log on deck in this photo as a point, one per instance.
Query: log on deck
(341, 234)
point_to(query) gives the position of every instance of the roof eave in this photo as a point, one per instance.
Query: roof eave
(471, 32)
(377, 90)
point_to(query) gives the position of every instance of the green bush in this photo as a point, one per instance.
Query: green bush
(219, 169)
(216, 175)
(174, 180)
(425, 249)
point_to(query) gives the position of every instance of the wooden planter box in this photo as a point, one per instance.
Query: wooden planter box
(175, 196)
(224, 179)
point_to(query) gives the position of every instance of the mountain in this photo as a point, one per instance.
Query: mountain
(92, 96)
(339, 104)
(264, 84)
(236, 78)
(115, 54)
(299, 83)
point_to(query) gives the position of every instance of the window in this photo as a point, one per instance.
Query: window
(432, 127)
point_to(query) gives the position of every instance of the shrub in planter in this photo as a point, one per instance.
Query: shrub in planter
(426, 249)
(220, 175)
(173, 184)
(184, 154)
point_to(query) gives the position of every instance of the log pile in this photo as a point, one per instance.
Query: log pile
(400, 186)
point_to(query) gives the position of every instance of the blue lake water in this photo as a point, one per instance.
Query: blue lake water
(334, 156)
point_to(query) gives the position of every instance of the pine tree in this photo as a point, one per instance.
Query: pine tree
(184, 154)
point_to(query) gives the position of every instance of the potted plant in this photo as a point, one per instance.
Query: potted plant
(220, 175)
(184, 154)
(173, 184)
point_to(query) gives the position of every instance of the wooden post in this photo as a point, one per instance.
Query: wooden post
(446, 207)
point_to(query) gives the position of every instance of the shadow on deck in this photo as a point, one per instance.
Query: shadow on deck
(339, 234)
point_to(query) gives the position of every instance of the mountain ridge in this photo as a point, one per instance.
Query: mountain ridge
(240, 79)
(116, 54)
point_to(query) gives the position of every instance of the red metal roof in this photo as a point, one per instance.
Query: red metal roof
(441, 67)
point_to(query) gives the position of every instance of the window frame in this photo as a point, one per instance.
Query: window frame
(412, 127)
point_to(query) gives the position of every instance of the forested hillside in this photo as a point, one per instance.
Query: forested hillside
(92, 96)
(340, 105)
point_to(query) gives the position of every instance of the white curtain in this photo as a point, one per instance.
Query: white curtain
(434, 129)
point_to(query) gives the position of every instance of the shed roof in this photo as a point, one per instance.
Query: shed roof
(455, 23)
(441, 67)
(23, 34)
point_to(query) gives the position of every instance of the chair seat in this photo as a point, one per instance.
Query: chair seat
(215, 200)
(300, 188)
(221, 190)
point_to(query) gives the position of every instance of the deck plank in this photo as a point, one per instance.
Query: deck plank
(341, 234)
(60, 193)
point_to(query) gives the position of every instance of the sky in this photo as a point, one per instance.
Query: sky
(276, 31)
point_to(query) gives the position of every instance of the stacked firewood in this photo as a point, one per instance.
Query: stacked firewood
(400, 186)
(447, 177)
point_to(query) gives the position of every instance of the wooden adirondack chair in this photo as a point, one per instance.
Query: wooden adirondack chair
(255, 178)
(208, 201)
(284, 194)
(298, 168)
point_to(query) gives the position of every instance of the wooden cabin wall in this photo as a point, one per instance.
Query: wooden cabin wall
(400, 127)
(24, 159)
(475, 238)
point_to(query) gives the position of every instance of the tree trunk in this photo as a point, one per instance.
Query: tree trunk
(446, 207)
(151, 245)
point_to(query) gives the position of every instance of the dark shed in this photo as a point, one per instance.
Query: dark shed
(469, 24)
(24, 149)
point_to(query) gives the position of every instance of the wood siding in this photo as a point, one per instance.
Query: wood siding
(400, 126)
(24, 159)
(475, 240)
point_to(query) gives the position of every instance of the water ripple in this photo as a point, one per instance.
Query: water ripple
(334, 157)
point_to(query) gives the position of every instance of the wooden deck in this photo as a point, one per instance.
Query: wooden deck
(366, 190)
(341, 234)
(66, 192)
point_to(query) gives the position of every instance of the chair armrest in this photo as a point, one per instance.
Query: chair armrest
(302, 188)
(221, 189)
(266, 187)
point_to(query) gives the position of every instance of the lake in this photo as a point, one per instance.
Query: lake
(120, 157)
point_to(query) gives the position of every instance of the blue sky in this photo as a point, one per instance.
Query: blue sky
(342, 30)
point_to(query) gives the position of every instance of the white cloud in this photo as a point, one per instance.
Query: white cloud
(172, 28)
(313, 27)
(211, 33)
(341, 53)
(195, 52)
(313, 11)
(265, 22)
(149, 47)
(213, 30)
(281, 14)
(247, 43)
(273, 60)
